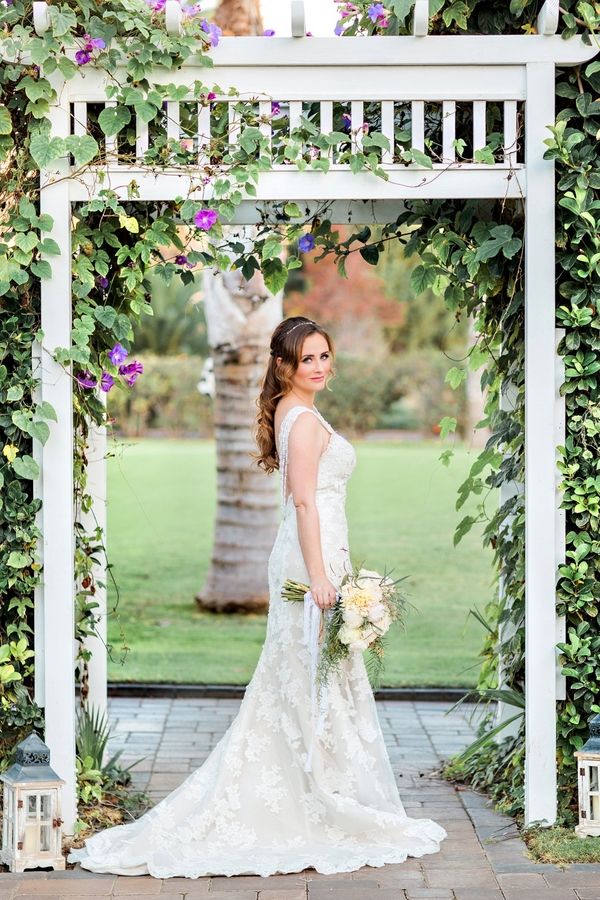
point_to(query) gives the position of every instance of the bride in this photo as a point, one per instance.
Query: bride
(273, 797)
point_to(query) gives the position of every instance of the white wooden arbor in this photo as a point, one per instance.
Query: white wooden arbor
(417, 69)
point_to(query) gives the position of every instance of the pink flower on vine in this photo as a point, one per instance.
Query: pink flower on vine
(205, 219)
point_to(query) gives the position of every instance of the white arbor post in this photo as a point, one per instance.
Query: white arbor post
(540, 554)
(56, 596)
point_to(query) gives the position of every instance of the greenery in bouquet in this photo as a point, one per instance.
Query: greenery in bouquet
(367, 604)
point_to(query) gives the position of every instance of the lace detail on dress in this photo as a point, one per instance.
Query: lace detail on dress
(251, 808)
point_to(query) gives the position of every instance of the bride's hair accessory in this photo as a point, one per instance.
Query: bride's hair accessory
(289, 331)
(306, 322)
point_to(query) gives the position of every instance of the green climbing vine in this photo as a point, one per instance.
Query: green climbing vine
(471, 255)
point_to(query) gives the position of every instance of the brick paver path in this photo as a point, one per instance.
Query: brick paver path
(482, 859)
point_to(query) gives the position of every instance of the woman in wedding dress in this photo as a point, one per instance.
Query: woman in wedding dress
(274, 796)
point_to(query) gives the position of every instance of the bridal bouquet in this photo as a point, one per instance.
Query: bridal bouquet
(366, 606)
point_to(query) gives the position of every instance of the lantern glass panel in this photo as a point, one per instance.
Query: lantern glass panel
(30, 842)
(45, 837)
(32, 806)
(593, 778)
(45, 806)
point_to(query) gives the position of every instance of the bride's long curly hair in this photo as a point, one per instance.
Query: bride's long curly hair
(286, 342)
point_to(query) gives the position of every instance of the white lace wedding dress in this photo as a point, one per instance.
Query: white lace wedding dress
(251, 808)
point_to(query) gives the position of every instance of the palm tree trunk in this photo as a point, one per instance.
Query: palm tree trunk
(240, 317)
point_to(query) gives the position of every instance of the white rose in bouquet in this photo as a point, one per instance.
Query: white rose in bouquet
(348, 635)
(353, 618)
(369, 582)
(377, 612)
(361, 644)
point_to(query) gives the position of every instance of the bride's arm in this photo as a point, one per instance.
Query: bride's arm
(305, 446)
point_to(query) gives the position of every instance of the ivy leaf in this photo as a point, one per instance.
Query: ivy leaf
(484, 155)
(62, 19)
(271, 248)
(41, 268)
(45, 410)
(462, 528)
(421, 278)
(45, 150)
(15, 392)
(106, 315)
(26, 467)
(18, 560)
(50, 247)
(275, 275)
(447, 424)
(421, 158)
(401, 8)
(83, 147)
(370, 254)
(455, 377)
(145, 111)
(113, 119)
(5, 120)
(130, 223)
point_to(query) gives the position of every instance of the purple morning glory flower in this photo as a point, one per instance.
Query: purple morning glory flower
(339, 29)
(118, 354)
(86, 379)
(94, 43)
(82, 57)
(205, 219)
(191, 10)
(213, 30)
(156, 5)
(275, 108)
(102, 282)
(106, 382)
(182, 260)
(347, 121)
(268, 32)
(306, 243)
(131, 371)
(376, 11)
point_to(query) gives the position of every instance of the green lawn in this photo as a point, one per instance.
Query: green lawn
(401, 514)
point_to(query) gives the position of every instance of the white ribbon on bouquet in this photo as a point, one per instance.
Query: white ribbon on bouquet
(318, 699)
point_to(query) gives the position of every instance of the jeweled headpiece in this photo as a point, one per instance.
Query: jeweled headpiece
(307, 322)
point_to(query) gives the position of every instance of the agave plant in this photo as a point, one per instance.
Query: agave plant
(93, 732)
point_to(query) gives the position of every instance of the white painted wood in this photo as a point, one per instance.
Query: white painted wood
(203, 134)
(141, 141)
(387, 129)
(418, 125)
(326, 117)
(41, 17)
(560, 432)
(173, 16)
(338, 184)
(540, 513)
(173, 122)
(295, 112)
(341, 82)
(357, 118)
(298, 19)
(448, 130)
(547, 20)
(265, 112)
(57, 479)
(510, 132)
(79, 118)
(96, 486)
(479, 125)
(421, 18)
